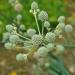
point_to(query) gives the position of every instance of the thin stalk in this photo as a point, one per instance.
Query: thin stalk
(36, 22)
(42, 29)
(23, 37)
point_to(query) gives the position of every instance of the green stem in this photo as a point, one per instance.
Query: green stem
(42, 29)
(23, 37)
(36, 22)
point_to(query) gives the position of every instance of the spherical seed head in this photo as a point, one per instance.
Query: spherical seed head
(9, 46)
(61, 26)
(6, 36)
(31, 32)
(43, 16)
(46, 24)
(60, 48)
(50, 37)
(20, 57)
(42, 51)
(50, 46)
(37, 40)
(19, 17)
(18, 7)
(34, 6)
(14, 38)
(22, 27)
(61, 19)
(68, 28)
(9, 28)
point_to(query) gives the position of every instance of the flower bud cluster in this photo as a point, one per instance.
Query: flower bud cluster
(38, 43)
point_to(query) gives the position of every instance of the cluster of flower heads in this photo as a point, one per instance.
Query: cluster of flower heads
(37, 43)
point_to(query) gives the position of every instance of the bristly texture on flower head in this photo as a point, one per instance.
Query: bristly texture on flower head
(34, 6)
(43, 16)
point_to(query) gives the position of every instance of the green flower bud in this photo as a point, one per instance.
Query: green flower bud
(50, 46)
(68, 28)
(6, 36)
(37, 40)
(19, 17)
(60, 48)
(34, 6)
(31, 32)
(9, 28)
(46, 24)
(50, 37)
(14, 38)
(9, 46)
(43, 16)
(61, 19)
(20, 57)
(22, 27)
(42, 51)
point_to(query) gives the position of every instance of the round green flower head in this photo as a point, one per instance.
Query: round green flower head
(61, 19)
(46, 24)
(50, 37)
(19, 17)
(60, 48)
(20, 57)
(31, 32)
(6, 36)
(22, 27)
(9, 46)
(43, 16)
(68, 28)
(14, 38)
(42, 51)
(37, 40)
(9, 28)
(50, 46)
(34, 6)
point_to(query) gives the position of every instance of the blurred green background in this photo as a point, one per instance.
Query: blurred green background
(54, 8)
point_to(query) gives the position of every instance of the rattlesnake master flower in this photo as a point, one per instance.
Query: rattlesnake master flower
(5, 36)
(34, 6)
(20, 57)
(50, 46)
(46, 24)
(19, 17)
(59, 48)
(22, 27)
(50, 37)
(9, 46)
(42, 51)
(37, 40)
(43, 16)
(18, 7)
(9, 28)
(31, 32)
(61, 19)
(14, 38)
(68, 28)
